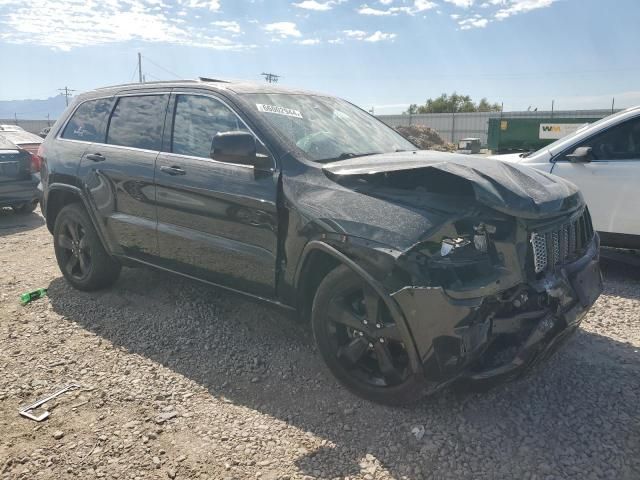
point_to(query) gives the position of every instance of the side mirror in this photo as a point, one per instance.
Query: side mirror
(238, 147)
(581, 155)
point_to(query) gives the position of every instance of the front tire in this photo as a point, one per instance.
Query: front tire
(81, 257)
(359, 341)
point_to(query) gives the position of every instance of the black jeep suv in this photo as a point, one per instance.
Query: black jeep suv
(415, 268)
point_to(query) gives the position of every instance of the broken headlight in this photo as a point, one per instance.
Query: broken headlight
(476, 242)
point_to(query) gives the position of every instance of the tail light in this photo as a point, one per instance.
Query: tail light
(36, 163)
(36, 160)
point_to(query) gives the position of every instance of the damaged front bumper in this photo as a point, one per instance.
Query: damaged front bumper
(473, 339)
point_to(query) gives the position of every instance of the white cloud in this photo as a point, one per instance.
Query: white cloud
(318, 6)
(492, 10)
(416, 7)
(283, 29)
(229, 26)
(461, 3)
(355, 33)
(380, 36)
(367, 10)
(69, 24)
(213, 5)
(309, 41)
(386, 2)
(377, 36)
(514, 7)
(474, 22)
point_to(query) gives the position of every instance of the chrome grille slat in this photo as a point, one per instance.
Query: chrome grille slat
(555, 245)
(561, 244)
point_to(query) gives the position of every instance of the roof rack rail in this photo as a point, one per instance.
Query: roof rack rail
(216, 80)
(153, 82)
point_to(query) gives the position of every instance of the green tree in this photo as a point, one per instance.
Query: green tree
(485, 106)
(453, 103)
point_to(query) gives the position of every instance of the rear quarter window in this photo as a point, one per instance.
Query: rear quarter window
(89, 120)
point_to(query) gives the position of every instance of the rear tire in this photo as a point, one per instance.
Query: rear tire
(359, 341)
(81, 257)
(25, 208)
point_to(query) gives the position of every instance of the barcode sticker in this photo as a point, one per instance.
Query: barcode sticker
(289, 112)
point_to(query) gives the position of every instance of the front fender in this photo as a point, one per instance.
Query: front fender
(375, 283)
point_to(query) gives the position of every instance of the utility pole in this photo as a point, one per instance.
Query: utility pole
(15, 116)
(553, 103)
(613, 103)
(270, 77)
(66, 91)
(140, 67)
(48, 121)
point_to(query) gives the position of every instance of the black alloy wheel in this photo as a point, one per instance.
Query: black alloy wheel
(81, 257)
(76, 257)
(360, 342)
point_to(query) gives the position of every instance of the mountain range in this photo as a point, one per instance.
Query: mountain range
(33, 109)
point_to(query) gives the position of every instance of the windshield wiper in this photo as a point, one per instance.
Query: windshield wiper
(345, 156)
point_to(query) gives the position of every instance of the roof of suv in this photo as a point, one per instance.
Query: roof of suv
(236, 86)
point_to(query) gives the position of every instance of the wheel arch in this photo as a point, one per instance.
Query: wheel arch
(61, 195)
(58, 197)
(327, 257)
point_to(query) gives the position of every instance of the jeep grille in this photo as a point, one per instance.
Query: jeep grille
(561, 244)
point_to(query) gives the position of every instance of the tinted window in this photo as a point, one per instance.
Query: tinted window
(621, 142)
(137, 122)
(197, 120)
(88, 121)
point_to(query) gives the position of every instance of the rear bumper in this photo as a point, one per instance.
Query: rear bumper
(465, 339)
(19, 191)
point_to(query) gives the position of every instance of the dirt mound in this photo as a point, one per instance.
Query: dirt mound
(425, 138)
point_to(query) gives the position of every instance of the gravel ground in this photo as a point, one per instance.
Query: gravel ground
(180, 380)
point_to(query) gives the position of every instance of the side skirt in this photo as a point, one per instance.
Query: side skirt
(270, 301)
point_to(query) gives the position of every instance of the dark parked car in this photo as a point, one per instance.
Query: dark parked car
(19, 177)
(415, 268)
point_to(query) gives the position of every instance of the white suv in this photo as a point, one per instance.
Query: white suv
(603, 160)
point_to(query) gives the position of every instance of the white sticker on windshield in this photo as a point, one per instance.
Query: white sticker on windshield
(289, 112)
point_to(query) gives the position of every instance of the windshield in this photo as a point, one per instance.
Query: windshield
(325, 128)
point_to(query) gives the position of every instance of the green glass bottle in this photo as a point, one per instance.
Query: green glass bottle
(33, 295)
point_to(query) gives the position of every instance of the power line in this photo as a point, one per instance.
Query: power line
(270, 77)
(166, 70)
(66, 91)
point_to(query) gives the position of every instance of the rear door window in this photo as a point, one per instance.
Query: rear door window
(137, 122)
(197, 120)
(88, 122)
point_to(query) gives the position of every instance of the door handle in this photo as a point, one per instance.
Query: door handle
(96, 157)
(172, 170)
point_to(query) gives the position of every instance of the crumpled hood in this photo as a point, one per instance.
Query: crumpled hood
(507, 187)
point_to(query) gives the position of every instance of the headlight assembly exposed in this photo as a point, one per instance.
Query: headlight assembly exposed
(479, 241)
(449, 245)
